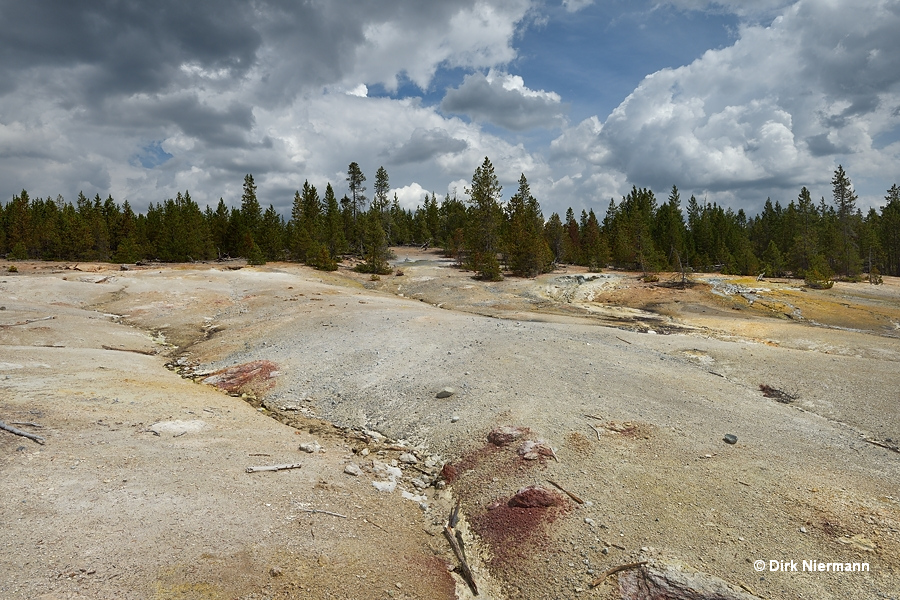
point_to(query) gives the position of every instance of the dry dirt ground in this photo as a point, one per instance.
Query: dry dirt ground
(141, 490)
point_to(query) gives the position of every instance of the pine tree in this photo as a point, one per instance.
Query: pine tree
(669, 231)
(554, 234)
(484, 226)
(381, 189)
(376, 252)
(804, 246)
(251, 216)
(572, 239)
(845, 202)
(271, 241)
(526, 249)
(334, 225)
(594, 248)
(890, 231)
(357, 204)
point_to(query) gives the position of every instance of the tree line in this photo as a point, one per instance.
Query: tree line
(480, 230)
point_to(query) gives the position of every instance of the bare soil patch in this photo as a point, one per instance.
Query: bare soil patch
(141, 489)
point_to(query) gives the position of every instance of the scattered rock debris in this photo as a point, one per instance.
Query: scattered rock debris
(244, 378)
(776, 394)
(506, 434)
(652, 581)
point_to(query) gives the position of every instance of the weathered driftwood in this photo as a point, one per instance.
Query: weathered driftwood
(274, 468)
(25, 434)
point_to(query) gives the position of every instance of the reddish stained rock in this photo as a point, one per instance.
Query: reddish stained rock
(448, 472)
(534, 497)
(243, 377)
(535, 449)
(506, 434)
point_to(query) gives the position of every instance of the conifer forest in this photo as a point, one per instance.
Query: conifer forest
(809, 238)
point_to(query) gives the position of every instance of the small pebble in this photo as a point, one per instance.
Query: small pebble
(589, 521)
(803, 530)
(353, 469)
(730, 439)
(454, 419)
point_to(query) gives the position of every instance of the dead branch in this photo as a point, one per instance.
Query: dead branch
(461, 557)
(370, 522)
(883, 445)
(565, 491)
(274, 468)
(29, 423)
(597, 431)
(144, 352)
(594, 417)
(324, 512)
(16, 431)
(454, 514)
(621, 340)
(27, 321)
(615, 570)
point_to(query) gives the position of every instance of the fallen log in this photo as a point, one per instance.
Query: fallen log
(16, 431)
(274, 468)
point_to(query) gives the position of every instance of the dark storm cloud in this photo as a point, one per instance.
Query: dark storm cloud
(425, 145)
(218, 127)
(126, 47)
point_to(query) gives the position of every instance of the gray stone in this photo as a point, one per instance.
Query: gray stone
(408, 458)
(730, 439)
(446, 392)
(353, 469)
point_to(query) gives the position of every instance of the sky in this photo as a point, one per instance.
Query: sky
(732, 101)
